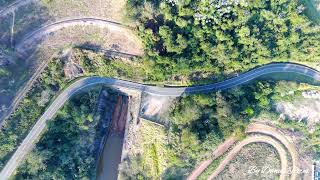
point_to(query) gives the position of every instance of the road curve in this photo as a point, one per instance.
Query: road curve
(255, 139)
(35, 132)
(65, 23)
(271, 131)
(254, 128)
(24, 90)
(49, 28)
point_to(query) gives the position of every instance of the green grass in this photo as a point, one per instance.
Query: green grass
(4, 72)
(155, 158)
(211, 168)
(154, 146)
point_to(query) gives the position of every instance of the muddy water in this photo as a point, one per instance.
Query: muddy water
(110, 158)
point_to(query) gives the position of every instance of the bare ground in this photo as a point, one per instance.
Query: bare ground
(251, 159)
(303, 109)
(221, 149)
(255, 139)
(270, 135)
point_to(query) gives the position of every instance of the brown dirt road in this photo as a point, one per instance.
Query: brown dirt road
(255, 139)
(221, 149)
(269, 133)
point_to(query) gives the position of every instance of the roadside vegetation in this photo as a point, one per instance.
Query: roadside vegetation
(51, 81)
(211, 168)
(152, 158)
(96, 64)
(210, 39)
(199, 123)
(68, 148)
(19, 124)
(5, 2)
(259, 156)
(185, 41)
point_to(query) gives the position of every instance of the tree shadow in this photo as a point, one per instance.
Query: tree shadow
(205, 125)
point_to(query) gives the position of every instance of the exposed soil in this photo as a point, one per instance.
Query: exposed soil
(303, 109)
(250, 140)
(258, 156)
(156, 108)
(221, 149)
(119, 116)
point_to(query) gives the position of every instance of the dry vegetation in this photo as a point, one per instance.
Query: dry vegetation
(148, 151)
(30, 17)
(258, 155)
(108, 9)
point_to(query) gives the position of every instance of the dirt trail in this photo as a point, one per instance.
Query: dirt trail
(221, 149)
(255, 139)
(271, 131)
(256, 127)
(13, 7)
(35, 37)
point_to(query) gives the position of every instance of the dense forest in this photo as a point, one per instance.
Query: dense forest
(67, 150)
(212, 38)
(19, 124)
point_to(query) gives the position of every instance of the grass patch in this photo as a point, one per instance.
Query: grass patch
(4, 72)
(211, 168)
(149, 156)
(154, 142)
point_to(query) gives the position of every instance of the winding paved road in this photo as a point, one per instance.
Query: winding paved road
(27, 144)
(29, 39)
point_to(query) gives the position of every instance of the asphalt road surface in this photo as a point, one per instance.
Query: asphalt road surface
(27, 144)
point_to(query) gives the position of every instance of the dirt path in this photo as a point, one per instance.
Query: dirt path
(221, 149)
(252, 128)
(23, 91)
(31, 41)
(34, 38)
(271, 131)
(13, 7)
(255, 139)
